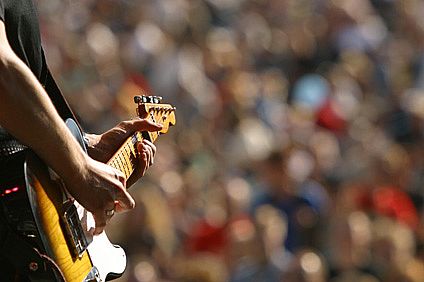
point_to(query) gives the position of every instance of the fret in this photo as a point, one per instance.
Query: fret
(130, 160)
(130, 168)
(126, 165)
(139, 137)
(116, 162)
(130, 148)
(126, 158)
(128, 171)
(118, 165)
(125, 150)
(114, 165)
(124, 161)
(121, 164)
(131, 151)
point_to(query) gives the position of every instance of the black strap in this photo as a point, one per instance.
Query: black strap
(57, 98)
(53, 265)
(27, 260)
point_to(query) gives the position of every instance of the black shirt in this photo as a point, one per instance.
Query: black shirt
(22, 29)
(23, 33)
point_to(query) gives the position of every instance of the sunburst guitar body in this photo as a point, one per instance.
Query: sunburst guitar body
(44, 215)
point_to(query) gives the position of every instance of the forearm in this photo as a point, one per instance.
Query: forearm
(27, 113)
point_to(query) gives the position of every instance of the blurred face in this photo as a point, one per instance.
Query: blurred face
(276, 178)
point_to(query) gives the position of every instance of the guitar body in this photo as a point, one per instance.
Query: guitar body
(41, 212)
(59, 227)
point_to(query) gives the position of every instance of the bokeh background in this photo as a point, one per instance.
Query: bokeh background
(298, 153)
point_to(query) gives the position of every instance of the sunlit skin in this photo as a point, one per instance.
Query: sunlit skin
(97, 186)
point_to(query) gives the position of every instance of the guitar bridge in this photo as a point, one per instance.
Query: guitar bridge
(76, 238)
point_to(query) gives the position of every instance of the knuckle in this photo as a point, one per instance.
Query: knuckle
(101, 223)
(123, 123)
(127, 124)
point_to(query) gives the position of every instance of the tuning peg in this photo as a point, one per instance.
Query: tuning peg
(155, 99)
(141, 99)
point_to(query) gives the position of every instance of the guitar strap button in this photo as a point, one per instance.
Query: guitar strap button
(33, 266)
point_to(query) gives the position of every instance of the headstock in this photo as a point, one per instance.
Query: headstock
(151, 108)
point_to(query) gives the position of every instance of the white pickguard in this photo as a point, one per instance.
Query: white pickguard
(105, 256)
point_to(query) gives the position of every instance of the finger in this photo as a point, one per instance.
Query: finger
(110, 210)
(118, 185)
(119, 208)
(149, 152)
(143, 163)
(139, 124)
(151, 145)
(120, 176)
(124, 201)
(101, 221)
(146, 154)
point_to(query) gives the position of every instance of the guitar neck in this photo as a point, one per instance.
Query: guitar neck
(125, 159)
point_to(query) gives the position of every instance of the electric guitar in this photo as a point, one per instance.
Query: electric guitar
(42, 212)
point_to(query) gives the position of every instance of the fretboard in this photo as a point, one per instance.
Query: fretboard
(125, 159)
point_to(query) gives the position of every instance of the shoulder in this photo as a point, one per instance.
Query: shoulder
(2, 10)
(4, 43)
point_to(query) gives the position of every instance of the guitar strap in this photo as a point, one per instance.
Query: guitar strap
(27, 260)
(55, 94)
(22, 258)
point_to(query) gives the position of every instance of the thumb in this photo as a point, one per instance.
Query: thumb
(145, 125)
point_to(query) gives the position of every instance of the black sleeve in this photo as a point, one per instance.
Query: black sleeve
(2, 10)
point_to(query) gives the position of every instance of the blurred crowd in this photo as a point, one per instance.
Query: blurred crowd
(298, 153)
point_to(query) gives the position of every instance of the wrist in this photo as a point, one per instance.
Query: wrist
(90, 142)
(77, 167)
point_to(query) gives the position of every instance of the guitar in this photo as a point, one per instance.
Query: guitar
(42, 212)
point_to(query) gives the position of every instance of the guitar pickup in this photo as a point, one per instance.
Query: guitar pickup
(76, 238)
